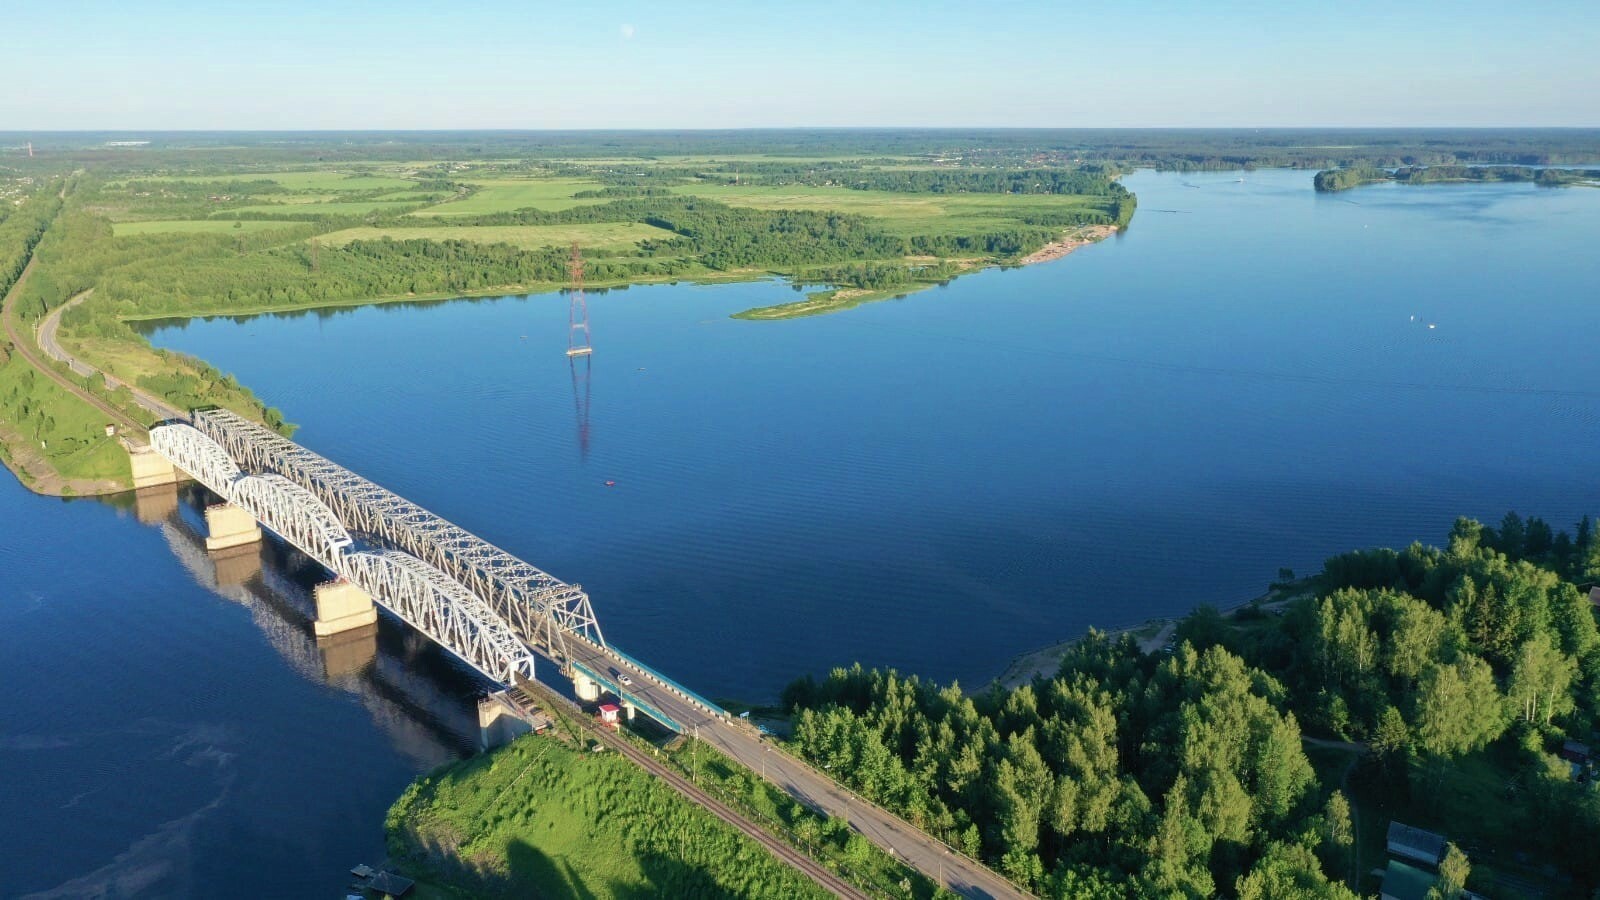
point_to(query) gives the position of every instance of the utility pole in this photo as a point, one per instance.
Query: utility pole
(694, 755)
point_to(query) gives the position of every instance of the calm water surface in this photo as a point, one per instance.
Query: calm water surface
(1246, 380)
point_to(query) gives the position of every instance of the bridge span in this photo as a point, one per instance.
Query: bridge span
(484, 605)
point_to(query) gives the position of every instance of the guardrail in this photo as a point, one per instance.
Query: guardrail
(644, 706)
(667, 683)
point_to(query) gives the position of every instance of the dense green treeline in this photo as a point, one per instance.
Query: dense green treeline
(1179, 148)
(1344, 179)
(1140, 775)
(155, 274)
(1340, 179)
(1124, 776)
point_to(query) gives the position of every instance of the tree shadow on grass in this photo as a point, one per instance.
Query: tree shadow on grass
(531, 869)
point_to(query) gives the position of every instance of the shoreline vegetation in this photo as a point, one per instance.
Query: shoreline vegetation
(919, 276)
(182, 227)
(1344, 179)
(1263, 753)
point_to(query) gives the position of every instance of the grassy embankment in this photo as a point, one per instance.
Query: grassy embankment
(544, 817)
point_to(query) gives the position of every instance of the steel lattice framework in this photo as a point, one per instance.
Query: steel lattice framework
(421, 595)
(542, 609)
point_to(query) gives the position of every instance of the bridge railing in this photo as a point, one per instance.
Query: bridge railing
(643, 706)
(667, 683)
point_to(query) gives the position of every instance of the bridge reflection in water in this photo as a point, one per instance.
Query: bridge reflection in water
(423, 699)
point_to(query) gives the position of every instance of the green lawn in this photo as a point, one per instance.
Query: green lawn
(72, 432)
(617, 238)
(505, 196)
(190, 226)
(1472, 805)
(541, 818)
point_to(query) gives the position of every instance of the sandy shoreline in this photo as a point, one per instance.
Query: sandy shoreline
(1080, 237)
(1152, 634)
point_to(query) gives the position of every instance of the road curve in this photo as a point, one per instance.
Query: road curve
(45, 335)
(18, 341)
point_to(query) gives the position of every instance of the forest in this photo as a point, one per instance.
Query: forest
(1342, 179)
(1183, 774)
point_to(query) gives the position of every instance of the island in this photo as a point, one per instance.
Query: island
(1354, 176)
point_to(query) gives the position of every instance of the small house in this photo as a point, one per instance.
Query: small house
(1415, 845)
(1403, 882)
(608, 713)
(1576, 753)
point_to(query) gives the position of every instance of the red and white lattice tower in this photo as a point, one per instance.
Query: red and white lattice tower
(577, 309)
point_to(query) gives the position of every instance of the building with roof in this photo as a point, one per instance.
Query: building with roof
(1403, 882)
(1415, 845)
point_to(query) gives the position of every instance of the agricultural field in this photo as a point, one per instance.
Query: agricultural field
(330, 208)
(507, 195)
(608, 238)
(198, 226)
(323, 180)
(904, 214)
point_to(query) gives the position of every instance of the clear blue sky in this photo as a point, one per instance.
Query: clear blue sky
(172, 64)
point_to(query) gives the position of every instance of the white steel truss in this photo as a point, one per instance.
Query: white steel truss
(421, 595)
(541, 608)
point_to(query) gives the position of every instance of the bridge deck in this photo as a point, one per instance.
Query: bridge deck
(543, 608)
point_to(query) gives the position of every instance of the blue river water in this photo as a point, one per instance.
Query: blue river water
(1254, 376)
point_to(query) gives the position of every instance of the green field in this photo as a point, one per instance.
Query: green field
(905, 214)
(193, 226)
(314, 180)
(332, 208)
(541, 818)
(598, 239)
(505, 196)
(70, 435)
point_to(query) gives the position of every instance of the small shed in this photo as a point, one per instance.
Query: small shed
(1576, 752)
(1403, 882)
(1415, 845)
(608, 713)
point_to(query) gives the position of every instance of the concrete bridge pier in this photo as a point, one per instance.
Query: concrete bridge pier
(497, 724)
(230, 526)
(149, 468)
(628, 710)
(587, 689)
(341, 607)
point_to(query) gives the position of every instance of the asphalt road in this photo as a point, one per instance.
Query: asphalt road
(800, 780)
(45, 334)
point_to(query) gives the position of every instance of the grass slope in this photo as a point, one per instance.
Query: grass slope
(540, 818)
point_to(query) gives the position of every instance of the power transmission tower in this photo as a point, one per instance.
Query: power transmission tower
(577, 308)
